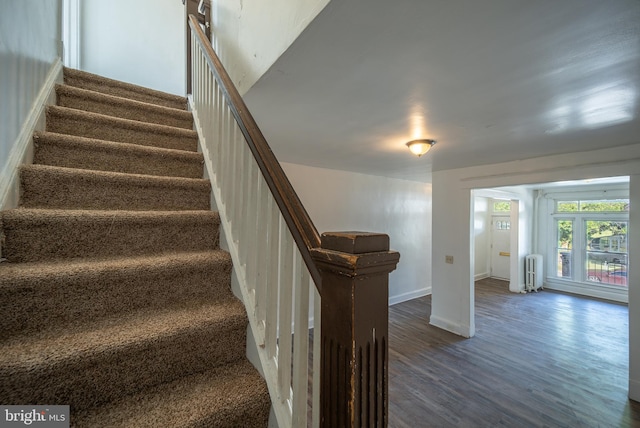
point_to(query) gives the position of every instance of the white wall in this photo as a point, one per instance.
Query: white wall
(140, 42)
(30, 32)
(250, 35)
(452, 285)
(347, 201)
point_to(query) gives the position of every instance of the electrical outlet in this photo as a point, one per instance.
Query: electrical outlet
(448, 259)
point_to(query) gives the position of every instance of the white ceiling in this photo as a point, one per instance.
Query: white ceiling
(490, 80)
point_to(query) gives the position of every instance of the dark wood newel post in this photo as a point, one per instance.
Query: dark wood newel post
(355, 269)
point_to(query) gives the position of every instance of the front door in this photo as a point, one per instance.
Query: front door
(500, 247)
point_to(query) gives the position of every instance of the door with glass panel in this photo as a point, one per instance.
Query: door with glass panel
(500, 247)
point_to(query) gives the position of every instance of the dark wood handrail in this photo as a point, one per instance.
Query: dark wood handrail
(296, 217)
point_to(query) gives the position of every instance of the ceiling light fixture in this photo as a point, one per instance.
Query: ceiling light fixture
(420, 147)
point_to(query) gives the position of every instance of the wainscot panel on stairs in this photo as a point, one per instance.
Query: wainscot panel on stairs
(116, 297)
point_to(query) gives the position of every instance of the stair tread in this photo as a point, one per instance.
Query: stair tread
(39, 234)
(106, 336)
(94, 125)
(38, 215)
(120, 177)
(227, 396)
(125, 123)
(49, 295)
(101, 155)
(44, 136)
(97, 102)
(47, 186)
(113, 99)
(28, 272)
(112, 86)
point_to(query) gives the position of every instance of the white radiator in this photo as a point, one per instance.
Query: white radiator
(533, 272)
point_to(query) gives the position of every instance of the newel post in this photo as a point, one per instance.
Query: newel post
(355, 269)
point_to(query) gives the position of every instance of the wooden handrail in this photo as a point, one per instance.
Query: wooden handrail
(304, 232)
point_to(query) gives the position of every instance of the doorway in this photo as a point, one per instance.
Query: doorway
(500, 246)
(496, 247)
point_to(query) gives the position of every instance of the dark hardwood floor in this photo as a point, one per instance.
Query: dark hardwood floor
(543, 359)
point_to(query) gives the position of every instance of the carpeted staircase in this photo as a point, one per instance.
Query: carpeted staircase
(115, 297)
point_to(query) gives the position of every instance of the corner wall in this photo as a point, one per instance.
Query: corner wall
(347, 201)
(249, 36)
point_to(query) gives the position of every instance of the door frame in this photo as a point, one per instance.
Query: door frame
(71, 13)
(516, 285)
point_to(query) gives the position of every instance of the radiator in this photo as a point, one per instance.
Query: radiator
(533, 272)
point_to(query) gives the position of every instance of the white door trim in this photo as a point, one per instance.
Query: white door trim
(71, 33)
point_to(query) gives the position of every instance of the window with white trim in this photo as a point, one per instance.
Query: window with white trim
(590, 241)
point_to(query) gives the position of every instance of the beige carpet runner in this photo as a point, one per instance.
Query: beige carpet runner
(115, 297)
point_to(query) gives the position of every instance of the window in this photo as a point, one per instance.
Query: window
(601, 206)
(501, 206)
(503, 225)
(564, 247)
(590, 242)
(606, 252)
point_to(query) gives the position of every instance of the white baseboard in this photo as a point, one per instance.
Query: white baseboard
(449, 326)
(480, 276)
(22, 149)
(399, 298)
(615, 295)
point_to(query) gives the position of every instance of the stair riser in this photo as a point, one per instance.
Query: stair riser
(105, 156)
(78, 237)
(97, 378)
(123, 110)
(42, 189)
(33, 304)
(119, 89)
(102, 129)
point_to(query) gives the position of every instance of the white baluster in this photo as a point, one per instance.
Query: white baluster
(252, 215)
(261, 247)
(300, 343)
(284, 321)
(271, 323)
(245, 196)
(315, 389)
(238, 179)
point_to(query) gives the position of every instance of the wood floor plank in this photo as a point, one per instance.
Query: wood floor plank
(542, 359)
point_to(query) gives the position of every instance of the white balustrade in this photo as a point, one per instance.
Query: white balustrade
(274, 280)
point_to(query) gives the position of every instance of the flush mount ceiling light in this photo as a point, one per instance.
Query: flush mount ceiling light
(420, 147)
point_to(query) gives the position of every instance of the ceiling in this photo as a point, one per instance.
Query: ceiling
(491, 81)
